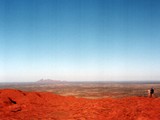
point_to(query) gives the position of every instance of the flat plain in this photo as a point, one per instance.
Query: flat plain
(92, 90)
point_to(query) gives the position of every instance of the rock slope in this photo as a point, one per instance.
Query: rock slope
(20, 105)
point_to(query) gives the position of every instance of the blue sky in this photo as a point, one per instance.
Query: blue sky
(79, 40)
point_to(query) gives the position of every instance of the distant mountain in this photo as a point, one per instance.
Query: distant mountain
(49, 81)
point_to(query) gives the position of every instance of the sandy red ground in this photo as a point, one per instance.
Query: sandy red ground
(19, 105)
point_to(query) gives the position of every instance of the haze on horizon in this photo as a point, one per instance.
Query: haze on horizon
(79, 40)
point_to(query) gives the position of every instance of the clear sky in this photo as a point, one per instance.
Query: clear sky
(79, 40)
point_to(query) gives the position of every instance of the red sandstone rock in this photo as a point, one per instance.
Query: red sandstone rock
(18, 105)
(15, 108)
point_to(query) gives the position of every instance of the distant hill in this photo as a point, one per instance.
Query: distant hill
(49, 81)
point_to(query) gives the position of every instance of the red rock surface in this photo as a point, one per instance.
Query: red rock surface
(20, 105)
